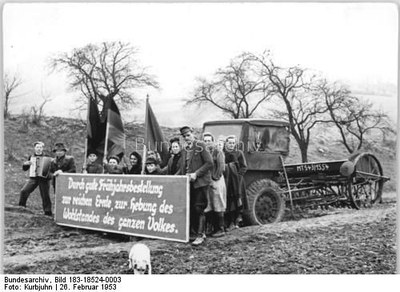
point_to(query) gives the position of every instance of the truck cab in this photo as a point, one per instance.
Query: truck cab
(262, 142)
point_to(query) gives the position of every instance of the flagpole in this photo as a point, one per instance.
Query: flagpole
(146, 121)
(106, 139)
(87, 140)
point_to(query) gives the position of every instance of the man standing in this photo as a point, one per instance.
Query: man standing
(39, 175)
(217, 192)
(62, 163)
(196, 163)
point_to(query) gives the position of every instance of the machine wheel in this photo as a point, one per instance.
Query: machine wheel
(265, 202)
(365, 189)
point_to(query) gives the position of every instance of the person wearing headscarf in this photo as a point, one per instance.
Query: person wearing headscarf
(173, 165)
(236, 167)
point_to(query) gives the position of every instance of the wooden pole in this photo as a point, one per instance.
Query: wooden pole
(288, 185)
(87, 140)
(146, 124)
(106, 139)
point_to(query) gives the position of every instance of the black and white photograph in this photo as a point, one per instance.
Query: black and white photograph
(218, 138)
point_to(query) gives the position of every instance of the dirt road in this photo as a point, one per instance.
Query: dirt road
(328, 241)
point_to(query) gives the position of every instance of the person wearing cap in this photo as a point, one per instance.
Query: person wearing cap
(173, 165)
(196, 162)
(236, 167)
(39, 175)
(92, 165)
(62, 162)
(217, 192)
(156, 155)
(111, 165)
(152, 166)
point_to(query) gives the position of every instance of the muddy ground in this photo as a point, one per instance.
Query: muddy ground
(333, 241)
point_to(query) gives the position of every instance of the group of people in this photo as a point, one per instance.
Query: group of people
(217, 188)
(215, 169)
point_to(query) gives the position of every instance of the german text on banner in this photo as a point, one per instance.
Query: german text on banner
(146, 206)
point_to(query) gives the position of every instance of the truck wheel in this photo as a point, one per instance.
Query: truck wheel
(265, 202)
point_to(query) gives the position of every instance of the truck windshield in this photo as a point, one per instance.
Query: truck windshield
(268, 139)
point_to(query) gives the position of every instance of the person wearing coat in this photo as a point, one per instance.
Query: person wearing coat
(136, 163)
(38, 176)
(92, 166)
(152, 166)
(62, 162)
(196, 162)
(217, 191)
(174, 162)
(111, 166)
(235, 169)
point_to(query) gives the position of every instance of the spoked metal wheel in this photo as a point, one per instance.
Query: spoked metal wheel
(366, 186)
(265, 202)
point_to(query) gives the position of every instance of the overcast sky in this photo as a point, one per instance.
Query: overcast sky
(178, 42)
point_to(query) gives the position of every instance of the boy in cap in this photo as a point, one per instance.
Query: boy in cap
(111, 166)
(39, 175)
(92, 166)
(62, 163)
(196, 163)
(152, 166)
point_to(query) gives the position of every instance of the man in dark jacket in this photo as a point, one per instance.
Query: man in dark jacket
(39, 175)
(196, 162)
(62, 163)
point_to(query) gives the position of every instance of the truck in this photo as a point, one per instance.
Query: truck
(273, 186)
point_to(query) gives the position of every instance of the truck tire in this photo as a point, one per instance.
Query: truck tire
(266, 205)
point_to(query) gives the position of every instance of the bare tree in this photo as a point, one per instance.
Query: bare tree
(11, 83)
(302, 108)
(237, 90)
(37, 111)
(104, 71)
(353, 117)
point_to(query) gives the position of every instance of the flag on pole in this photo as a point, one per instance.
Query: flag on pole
(115, 136)
(154, 138)
(96, 130)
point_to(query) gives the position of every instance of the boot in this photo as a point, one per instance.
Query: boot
(209, 223)
(239, 220)
(201, 231)
(192, 234)
(231, 221)
(220, 225)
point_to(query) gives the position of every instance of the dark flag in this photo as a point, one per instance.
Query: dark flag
(154, 138)
(96, 130)
(115, 131)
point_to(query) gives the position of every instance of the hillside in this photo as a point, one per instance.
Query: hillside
(19, 137)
